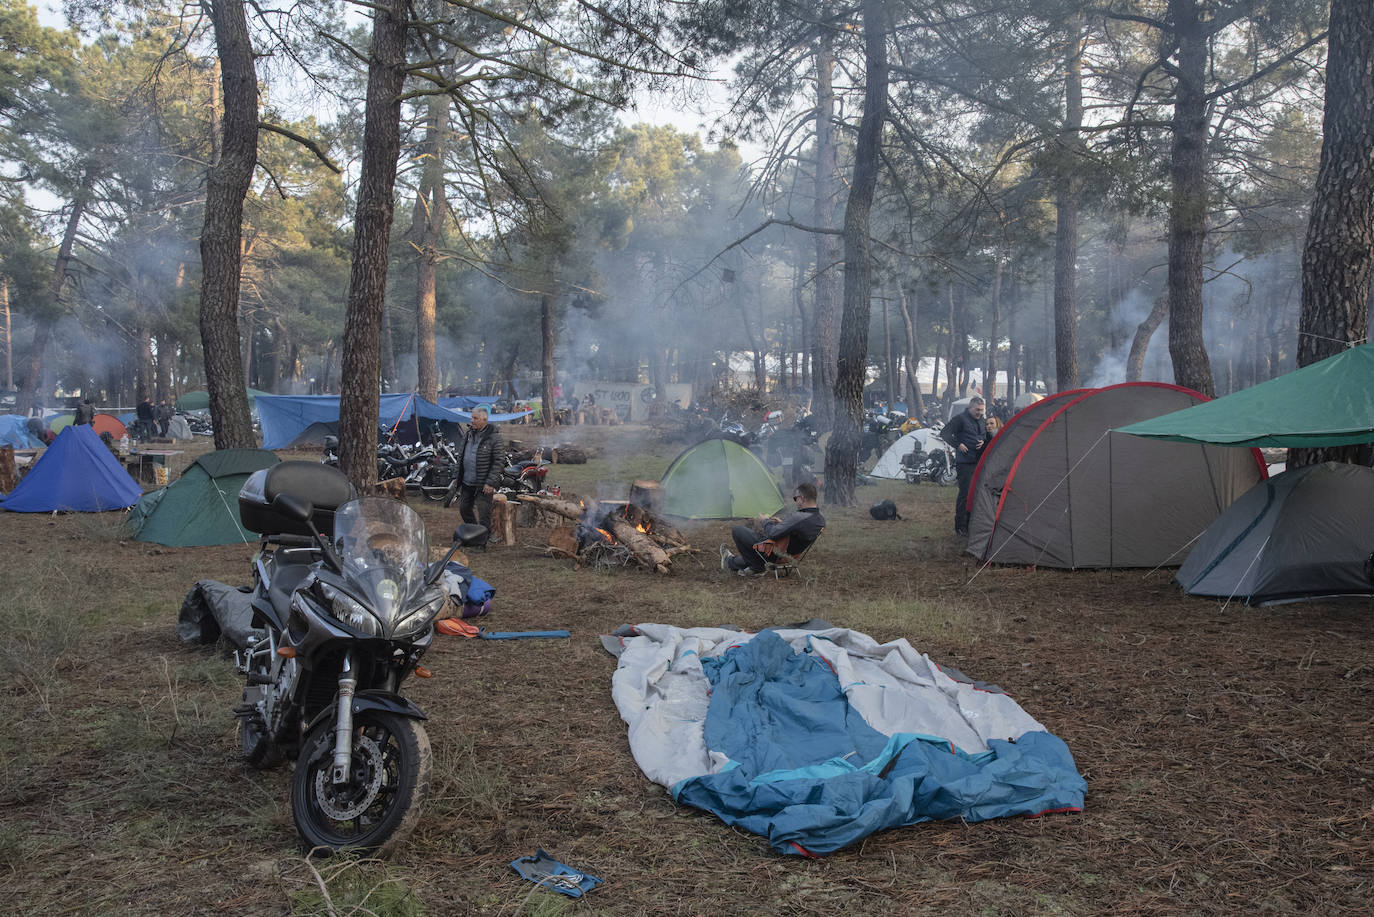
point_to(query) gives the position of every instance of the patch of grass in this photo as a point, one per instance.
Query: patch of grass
(465, 784)
(39, 635)
(344, 885)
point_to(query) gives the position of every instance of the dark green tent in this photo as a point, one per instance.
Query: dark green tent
(719, 479)
(1329, 403)
(202, 506)
(200, 400)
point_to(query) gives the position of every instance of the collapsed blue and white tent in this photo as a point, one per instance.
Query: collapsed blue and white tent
(14, 431)
(285, 417)
(816, 739)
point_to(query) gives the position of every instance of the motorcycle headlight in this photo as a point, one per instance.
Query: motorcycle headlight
(350, 611)
(432, 602)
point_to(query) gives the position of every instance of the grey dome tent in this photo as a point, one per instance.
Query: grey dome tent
(1057, 488)
(1294, 536)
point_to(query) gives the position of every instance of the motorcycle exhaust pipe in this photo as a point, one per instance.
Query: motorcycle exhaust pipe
(343, 723)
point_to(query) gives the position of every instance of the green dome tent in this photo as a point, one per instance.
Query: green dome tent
(200, 400)
(719, 479)
(202, 506)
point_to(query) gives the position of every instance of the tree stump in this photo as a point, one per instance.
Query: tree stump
(648, 494)
(503, 517)
(8, 477)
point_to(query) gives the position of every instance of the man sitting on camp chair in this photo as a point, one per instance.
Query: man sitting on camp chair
(775, 540)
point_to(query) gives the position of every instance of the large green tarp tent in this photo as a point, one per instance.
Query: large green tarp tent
(1329, 403)
(719, 479)
(201, 507)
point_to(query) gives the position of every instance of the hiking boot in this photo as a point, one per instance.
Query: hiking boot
(749, 571)
(725, 557)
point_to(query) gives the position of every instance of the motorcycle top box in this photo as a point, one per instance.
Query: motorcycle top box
(323, 486)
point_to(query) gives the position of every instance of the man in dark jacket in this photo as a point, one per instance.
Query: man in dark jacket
(800, 528)
(85, 413)
(481, 457)
(967, 434)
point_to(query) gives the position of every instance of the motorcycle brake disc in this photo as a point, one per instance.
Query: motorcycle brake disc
(346, 802)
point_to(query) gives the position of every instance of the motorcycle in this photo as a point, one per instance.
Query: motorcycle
(525, 477)
(438, 475)
(934, 465)
(343, 610)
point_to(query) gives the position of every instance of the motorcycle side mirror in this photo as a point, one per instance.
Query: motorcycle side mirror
(468, 534)
(293, 507)
(465, 535)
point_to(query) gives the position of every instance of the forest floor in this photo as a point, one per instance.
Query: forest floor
(1226, 749)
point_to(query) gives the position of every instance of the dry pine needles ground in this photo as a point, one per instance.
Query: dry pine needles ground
(1226, 749)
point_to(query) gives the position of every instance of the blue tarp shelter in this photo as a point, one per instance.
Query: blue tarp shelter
(465, 402)
(14, 431)
(285, 417)
(76, 474)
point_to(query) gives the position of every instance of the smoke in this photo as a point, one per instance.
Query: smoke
(1133, 309)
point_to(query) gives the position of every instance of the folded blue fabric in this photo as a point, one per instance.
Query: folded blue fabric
(548, 872)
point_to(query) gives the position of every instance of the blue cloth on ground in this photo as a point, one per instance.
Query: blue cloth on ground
(548, 872)
(811, 775)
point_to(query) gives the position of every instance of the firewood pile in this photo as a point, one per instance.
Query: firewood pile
(612, 533)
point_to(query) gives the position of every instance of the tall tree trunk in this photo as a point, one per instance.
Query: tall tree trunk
(360, 371)
(824, 337)
(143, 354)
(46, 323)
(1338, 257)
(842, 453)
(1066, 223)
(431, 206)
(1188, 208)
(1140, 343)
(546, 351)
(915, 403)
(893, 392)
(9, 340)
(221, 238)
(990, 370)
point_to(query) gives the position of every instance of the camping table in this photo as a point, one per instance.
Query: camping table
(143, 465)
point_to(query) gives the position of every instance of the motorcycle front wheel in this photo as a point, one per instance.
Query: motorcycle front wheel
(380, 803)
(948, 476)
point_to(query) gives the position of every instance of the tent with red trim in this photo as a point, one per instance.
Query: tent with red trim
(1058, 488)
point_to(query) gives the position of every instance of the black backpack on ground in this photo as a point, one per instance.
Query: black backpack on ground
(884, 509)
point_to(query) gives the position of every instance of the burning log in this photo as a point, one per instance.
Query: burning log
(613, 533)
(648, 553)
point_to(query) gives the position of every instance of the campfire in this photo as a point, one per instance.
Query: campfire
(612, 533)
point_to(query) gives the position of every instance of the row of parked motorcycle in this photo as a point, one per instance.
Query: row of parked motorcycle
(431, 468)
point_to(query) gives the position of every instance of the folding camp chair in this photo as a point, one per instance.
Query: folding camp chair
(777, 561)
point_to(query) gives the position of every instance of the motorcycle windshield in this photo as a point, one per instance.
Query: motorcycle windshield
(382, 546)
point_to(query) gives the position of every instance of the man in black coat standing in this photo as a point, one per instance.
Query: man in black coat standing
(967, 434)
(481, 457)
